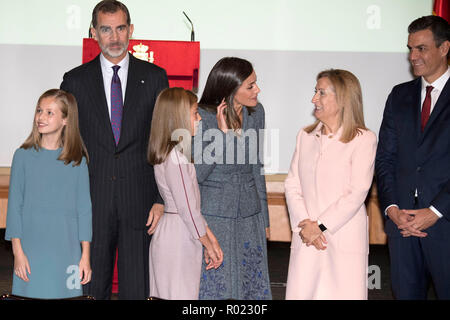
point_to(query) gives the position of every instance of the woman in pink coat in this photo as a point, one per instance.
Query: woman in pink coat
(330, 175)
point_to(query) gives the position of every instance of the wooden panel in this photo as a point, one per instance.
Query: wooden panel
(280, 227)
(3, 208)
(4, 185)
(376, 220)
(276, 199)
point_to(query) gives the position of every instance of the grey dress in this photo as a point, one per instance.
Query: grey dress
(234, 204)
(49, 210)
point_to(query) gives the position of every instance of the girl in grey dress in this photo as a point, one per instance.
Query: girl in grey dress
(232, 185)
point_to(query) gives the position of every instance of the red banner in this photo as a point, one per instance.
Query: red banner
(441, 9)
(180, 59)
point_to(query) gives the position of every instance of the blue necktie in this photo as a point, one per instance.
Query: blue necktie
(116, 104)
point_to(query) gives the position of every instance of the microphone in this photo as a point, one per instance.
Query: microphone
(192, 25)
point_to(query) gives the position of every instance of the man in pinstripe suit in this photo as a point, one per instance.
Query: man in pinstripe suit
(124, 194)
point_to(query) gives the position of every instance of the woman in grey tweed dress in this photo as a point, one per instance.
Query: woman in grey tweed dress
(230, 174)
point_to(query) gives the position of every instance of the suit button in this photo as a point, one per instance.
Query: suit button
(113, 178)
(116, 156)
(419, 169)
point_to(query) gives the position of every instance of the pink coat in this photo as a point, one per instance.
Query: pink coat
(328, 181)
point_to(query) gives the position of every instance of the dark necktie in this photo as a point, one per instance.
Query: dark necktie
(116, 104)
(426, 107)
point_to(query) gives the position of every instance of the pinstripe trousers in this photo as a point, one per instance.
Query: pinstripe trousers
(112, 232)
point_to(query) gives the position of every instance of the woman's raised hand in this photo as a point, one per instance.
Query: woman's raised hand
(221, 120)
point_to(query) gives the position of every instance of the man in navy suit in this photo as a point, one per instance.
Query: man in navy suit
(116, 94)
(413, 166)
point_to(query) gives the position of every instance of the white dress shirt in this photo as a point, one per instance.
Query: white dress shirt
(438, 86)
(108, 73)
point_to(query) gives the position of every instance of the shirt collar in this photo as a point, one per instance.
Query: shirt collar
(107, 65)
(438, 83)
(318, 131)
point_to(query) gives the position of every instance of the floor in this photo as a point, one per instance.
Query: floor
(278, 252)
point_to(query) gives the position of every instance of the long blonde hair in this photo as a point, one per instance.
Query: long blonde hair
(73, 147)
(171, 113)
(349, 97)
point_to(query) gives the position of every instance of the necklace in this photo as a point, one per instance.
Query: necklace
(330, 135)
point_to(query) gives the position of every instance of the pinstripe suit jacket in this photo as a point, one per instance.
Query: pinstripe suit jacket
(121, 170)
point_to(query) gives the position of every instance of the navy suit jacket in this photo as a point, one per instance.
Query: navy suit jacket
(408, 159)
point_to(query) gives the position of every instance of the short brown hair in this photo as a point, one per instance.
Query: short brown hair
(71, 141)
(349, 97)
(110, 6)
(437, 25)
(171, 113)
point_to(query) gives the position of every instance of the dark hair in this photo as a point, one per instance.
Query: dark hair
(110, 6)
(223, 81)
(438, 26)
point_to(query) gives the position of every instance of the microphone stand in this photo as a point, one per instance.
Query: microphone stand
(192, 26)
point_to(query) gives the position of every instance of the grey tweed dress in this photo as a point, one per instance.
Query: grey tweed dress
(234, 204)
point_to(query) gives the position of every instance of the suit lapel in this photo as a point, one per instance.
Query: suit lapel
(97, 93)
(246, 117)
(414, 108)
(133, 80)
(440, 105)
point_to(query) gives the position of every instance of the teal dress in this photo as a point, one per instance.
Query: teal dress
(49, 209)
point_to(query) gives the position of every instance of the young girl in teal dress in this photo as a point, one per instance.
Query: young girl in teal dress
(49, 218)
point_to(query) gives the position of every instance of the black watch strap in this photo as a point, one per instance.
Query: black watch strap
(322, 227)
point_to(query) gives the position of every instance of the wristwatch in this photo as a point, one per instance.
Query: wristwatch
(321, 226)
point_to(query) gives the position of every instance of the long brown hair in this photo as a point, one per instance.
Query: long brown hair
(223, 82)
(349, 97)
(73, 147)
(171, 113)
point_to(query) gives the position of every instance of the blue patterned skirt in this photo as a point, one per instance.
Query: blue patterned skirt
(244, 274)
